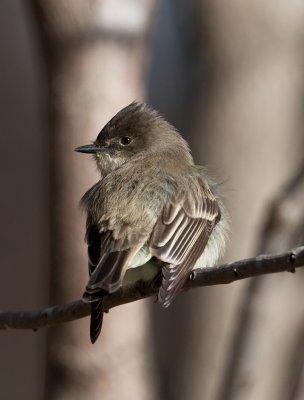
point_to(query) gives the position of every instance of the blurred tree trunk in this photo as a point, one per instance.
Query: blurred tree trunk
(95, 58)
(246, 126)
(24, 205)
(252, 122)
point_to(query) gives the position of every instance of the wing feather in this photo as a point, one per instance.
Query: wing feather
(106, 267)
(106, 262)
(180, 236)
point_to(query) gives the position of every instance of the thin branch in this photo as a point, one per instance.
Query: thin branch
(227, 273)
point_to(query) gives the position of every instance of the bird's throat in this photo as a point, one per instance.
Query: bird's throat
(106, 163)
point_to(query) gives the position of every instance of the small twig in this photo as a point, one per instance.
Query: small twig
(227, 273)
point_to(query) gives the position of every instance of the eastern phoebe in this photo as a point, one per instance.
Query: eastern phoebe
(151, 201)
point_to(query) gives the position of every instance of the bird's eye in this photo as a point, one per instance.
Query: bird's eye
(125, 140)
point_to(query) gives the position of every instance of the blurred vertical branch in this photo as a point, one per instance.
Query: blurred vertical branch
(95, 58)
(284, 226)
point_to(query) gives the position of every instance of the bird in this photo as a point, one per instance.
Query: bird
(151, 203)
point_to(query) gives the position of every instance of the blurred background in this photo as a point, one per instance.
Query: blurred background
(230, 76)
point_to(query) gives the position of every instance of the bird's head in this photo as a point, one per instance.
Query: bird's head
(136, 129)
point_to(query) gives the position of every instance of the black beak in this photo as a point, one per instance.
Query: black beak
(90, 149)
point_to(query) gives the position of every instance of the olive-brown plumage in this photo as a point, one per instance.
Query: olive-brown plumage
(151, 201)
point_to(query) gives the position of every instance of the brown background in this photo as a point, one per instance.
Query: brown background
(230, 76)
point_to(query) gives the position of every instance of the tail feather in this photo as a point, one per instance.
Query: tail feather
(96, 319)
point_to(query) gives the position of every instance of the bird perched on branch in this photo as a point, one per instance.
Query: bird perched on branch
(151, 201)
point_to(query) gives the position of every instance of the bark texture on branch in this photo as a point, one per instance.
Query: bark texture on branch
(227, 273)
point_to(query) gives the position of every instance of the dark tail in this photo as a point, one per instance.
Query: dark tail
(96, 319)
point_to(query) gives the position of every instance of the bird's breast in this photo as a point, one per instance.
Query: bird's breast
(142, 256)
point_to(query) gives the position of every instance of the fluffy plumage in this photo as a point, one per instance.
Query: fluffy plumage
(151, 201)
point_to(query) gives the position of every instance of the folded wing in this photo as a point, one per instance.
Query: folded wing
(106, 266)
(181, 235)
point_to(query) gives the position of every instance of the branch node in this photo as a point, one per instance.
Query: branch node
(192, 275)
(292, 257)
